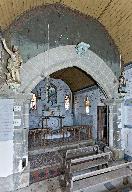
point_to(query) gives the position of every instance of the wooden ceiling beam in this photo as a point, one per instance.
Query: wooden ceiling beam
(114, 21)
(112, 12)
(5, 12)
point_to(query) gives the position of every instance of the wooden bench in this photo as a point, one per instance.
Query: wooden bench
(90, 179)
(85, 164)
(81, 152)
(80, 164)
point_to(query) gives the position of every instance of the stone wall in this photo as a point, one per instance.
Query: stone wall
(14, 165)
(44, 108)
(127, 114)
(66, 27)
(2, 66)
(95, 95)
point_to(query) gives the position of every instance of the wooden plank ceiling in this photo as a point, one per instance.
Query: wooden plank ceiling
(75, 78)
(115, 15)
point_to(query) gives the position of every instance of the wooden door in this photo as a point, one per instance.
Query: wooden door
(102, 124)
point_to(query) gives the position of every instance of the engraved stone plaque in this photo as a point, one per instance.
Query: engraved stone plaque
(17, 122)
(6, 119)
(17, 108)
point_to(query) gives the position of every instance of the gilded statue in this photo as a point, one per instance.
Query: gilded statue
(13, 64)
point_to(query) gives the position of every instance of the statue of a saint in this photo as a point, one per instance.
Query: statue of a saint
(13, 64)
(122, 83)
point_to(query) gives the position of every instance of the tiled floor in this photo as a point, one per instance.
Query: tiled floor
(54, 185)
(49, 185)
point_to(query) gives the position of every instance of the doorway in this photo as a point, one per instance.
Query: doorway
(102, 124)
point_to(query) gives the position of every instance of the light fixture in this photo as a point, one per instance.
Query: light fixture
(87, 101)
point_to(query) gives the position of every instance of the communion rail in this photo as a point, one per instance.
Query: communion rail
(49, 137)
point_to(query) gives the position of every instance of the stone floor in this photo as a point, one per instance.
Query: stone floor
(47, 162)
(54, 185)
(49, 185)
(38, 159)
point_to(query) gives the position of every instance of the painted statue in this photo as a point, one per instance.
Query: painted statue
(122, 83)
(81, 48)
(13, 64)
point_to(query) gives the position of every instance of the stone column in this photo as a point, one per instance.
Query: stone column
(18, 166)
(110, 126)
(115, 124)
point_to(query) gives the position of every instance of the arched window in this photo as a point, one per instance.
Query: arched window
(67, 102)
(52, 94)
(87, 105)
(33, 102)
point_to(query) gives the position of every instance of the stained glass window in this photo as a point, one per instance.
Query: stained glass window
(33, 102)
(67, 102)
(87, 105)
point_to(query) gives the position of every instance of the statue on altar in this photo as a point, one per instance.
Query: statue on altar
(122, 83)
(13, 64)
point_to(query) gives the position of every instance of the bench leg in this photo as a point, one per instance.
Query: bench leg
(125, 181)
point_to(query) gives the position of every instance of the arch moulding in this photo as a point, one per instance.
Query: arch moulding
(44, 64)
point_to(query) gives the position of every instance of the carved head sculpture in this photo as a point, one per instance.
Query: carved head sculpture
(14, 49)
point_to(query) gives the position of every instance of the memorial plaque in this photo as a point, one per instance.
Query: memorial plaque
(17, 122)
(17, 108)
(6, 119)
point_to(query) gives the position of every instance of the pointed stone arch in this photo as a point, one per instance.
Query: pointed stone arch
(44, 64)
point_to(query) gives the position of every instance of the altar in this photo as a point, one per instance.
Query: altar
(55, 122)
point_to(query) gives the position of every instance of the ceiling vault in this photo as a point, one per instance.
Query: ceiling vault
(114, 15)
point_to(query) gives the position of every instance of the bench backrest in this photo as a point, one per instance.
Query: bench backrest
(81, 152)
(86, 180)
(87, 162)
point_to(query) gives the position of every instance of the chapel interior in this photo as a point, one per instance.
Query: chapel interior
(66, 96)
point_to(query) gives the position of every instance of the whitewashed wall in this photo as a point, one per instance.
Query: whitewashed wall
(127, 114)
(62, 90)
(95, 95)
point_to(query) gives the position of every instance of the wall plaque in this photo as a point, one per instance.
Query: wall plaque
(17, 108)
(6, 119)
(17, 122)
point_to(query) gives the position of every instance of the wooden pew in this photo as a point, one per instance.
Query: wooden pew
(76, 153)
(84, 164)
(90, 179)
(81, 152)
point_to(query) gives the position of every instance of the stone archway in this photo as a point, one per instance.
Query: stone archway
(35, 69)
(31, 73)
